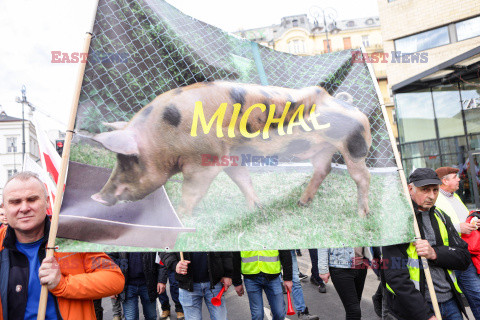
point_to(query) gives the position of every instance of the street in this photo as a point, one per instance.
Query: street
(326, 305)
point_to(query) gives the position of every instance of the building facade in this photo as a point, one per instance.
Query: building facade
(298, 35)
(434, 78)
(11, 149)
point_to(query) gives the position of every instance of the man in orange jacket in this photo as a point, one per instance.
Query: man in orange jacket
(73, 279)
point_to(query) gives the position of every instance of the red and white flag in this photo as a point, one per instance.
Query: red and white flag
(30, 165)
(51, 161)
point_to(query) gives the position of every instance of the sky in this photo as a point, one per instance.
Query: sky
(30, 30)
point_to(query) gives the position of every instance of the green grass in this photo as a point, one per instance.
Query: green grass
(87, 154)
(223, 221)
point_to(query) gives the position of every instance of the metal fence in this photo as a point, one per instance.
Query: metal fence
(143, 48)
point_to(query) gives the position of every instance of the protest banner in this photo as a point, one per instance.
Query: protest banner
(256, 149)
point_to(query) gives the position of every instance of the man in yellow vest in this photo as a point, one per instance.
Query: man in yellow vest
(261, 272)
(450, 203)
(407, 294)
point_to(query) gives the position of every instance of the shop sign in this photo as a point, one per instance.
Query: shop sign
(473, 103)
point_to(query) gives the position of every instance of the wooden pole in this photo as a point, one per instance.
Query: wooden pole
(42, 306)
(401, 172)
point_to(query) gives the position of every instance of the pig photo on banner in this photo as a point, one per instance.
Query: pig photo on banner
(191, 139)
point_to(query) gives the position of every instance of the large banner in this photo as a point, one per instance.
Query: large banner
(191, 139)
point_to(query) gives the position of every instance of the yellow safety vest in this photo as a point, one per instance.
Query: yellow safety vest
(266, 261)
(414, 262)
(443, 204)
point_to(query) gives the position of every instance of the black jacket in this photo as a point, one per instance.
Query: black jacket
(162, 273)
(285, 260)
(408, 303)
(14, 266)
(219, 265)
(150, 269)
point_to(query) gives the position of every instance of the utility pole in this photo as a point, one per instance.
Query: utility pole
(24, 101)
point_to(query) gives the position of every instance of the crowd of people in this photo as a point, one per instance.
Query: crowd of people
(449, 243)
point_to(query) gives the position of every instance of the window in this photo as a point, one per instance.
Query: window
(468, 29)
(295, 23)
(350, 24)
(446, 100)
(471, 105)
(327, 46)
(423, 41)
(12, 144)
(415, 116)
(11, 172)
(296, 46)
(369, 21)
(365, 41)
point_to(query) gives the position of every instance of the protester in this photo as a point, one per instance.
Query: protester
(201, 276)
(408, 296)
(116, 308)
(261, 272)
(165, 275)
(348, 272)
(314, 278)
(3, 217)
(451, 204)
(141, 280)
(297, 292)
(74, 280)
(473, 240)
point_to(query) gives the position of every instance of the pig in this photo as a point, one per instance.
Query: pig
(165, 137)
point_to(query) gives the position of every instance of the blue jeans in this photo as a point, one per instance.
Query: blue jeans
(274, 292)
(469, 282)
(449, 310)
(297, 292)
(173, 292)
(130, 305)
(192, 301)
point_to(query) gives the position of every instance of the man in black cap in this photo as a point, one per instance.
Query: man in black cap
(407, 292)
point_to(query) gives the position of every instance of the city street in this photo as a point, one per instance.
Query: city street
(326, 305)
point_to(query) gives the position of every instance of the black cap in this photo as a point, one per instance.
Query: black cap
(423, 177)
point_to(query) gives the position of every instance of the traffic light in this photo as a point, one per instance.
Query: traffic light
(59, 146)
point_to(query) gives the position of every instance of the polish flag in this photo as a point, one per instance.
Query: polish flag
(51, 161)
(30, 165)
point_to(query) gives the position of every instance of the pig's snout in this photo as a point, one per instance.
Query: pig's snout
(98, 197)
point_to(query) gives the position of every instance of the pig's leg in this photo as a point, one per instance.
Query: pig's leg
(360, 174)
(196, 181)
(241, 176)
(321, 162)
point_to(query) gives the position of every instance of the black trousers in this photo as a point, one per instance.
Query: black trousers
(349, 284)
(314, 259)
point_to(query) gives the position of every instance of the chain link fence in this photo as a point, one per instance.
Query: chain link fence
(141, 49)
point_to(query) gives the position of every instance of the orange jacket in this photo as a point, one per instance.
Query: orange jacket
(85, 276)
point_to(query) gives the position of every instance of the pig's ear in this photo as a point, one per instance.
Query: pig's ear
(119, 125)
(119, 141)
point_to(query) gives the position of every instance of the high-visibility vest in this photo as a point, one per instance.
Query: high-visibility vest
(266, 261)
(414, 262)
(443, 204)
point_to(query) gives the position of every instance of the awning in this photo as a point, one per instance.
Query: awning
(464, 66)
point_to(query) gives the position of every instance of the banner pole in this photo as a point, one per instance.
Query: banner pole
(428, 276)
(42, 306)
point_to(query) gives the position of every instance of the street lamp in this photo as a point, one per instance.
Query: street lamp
(24, 101)
(329, 14)
(14, 162)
